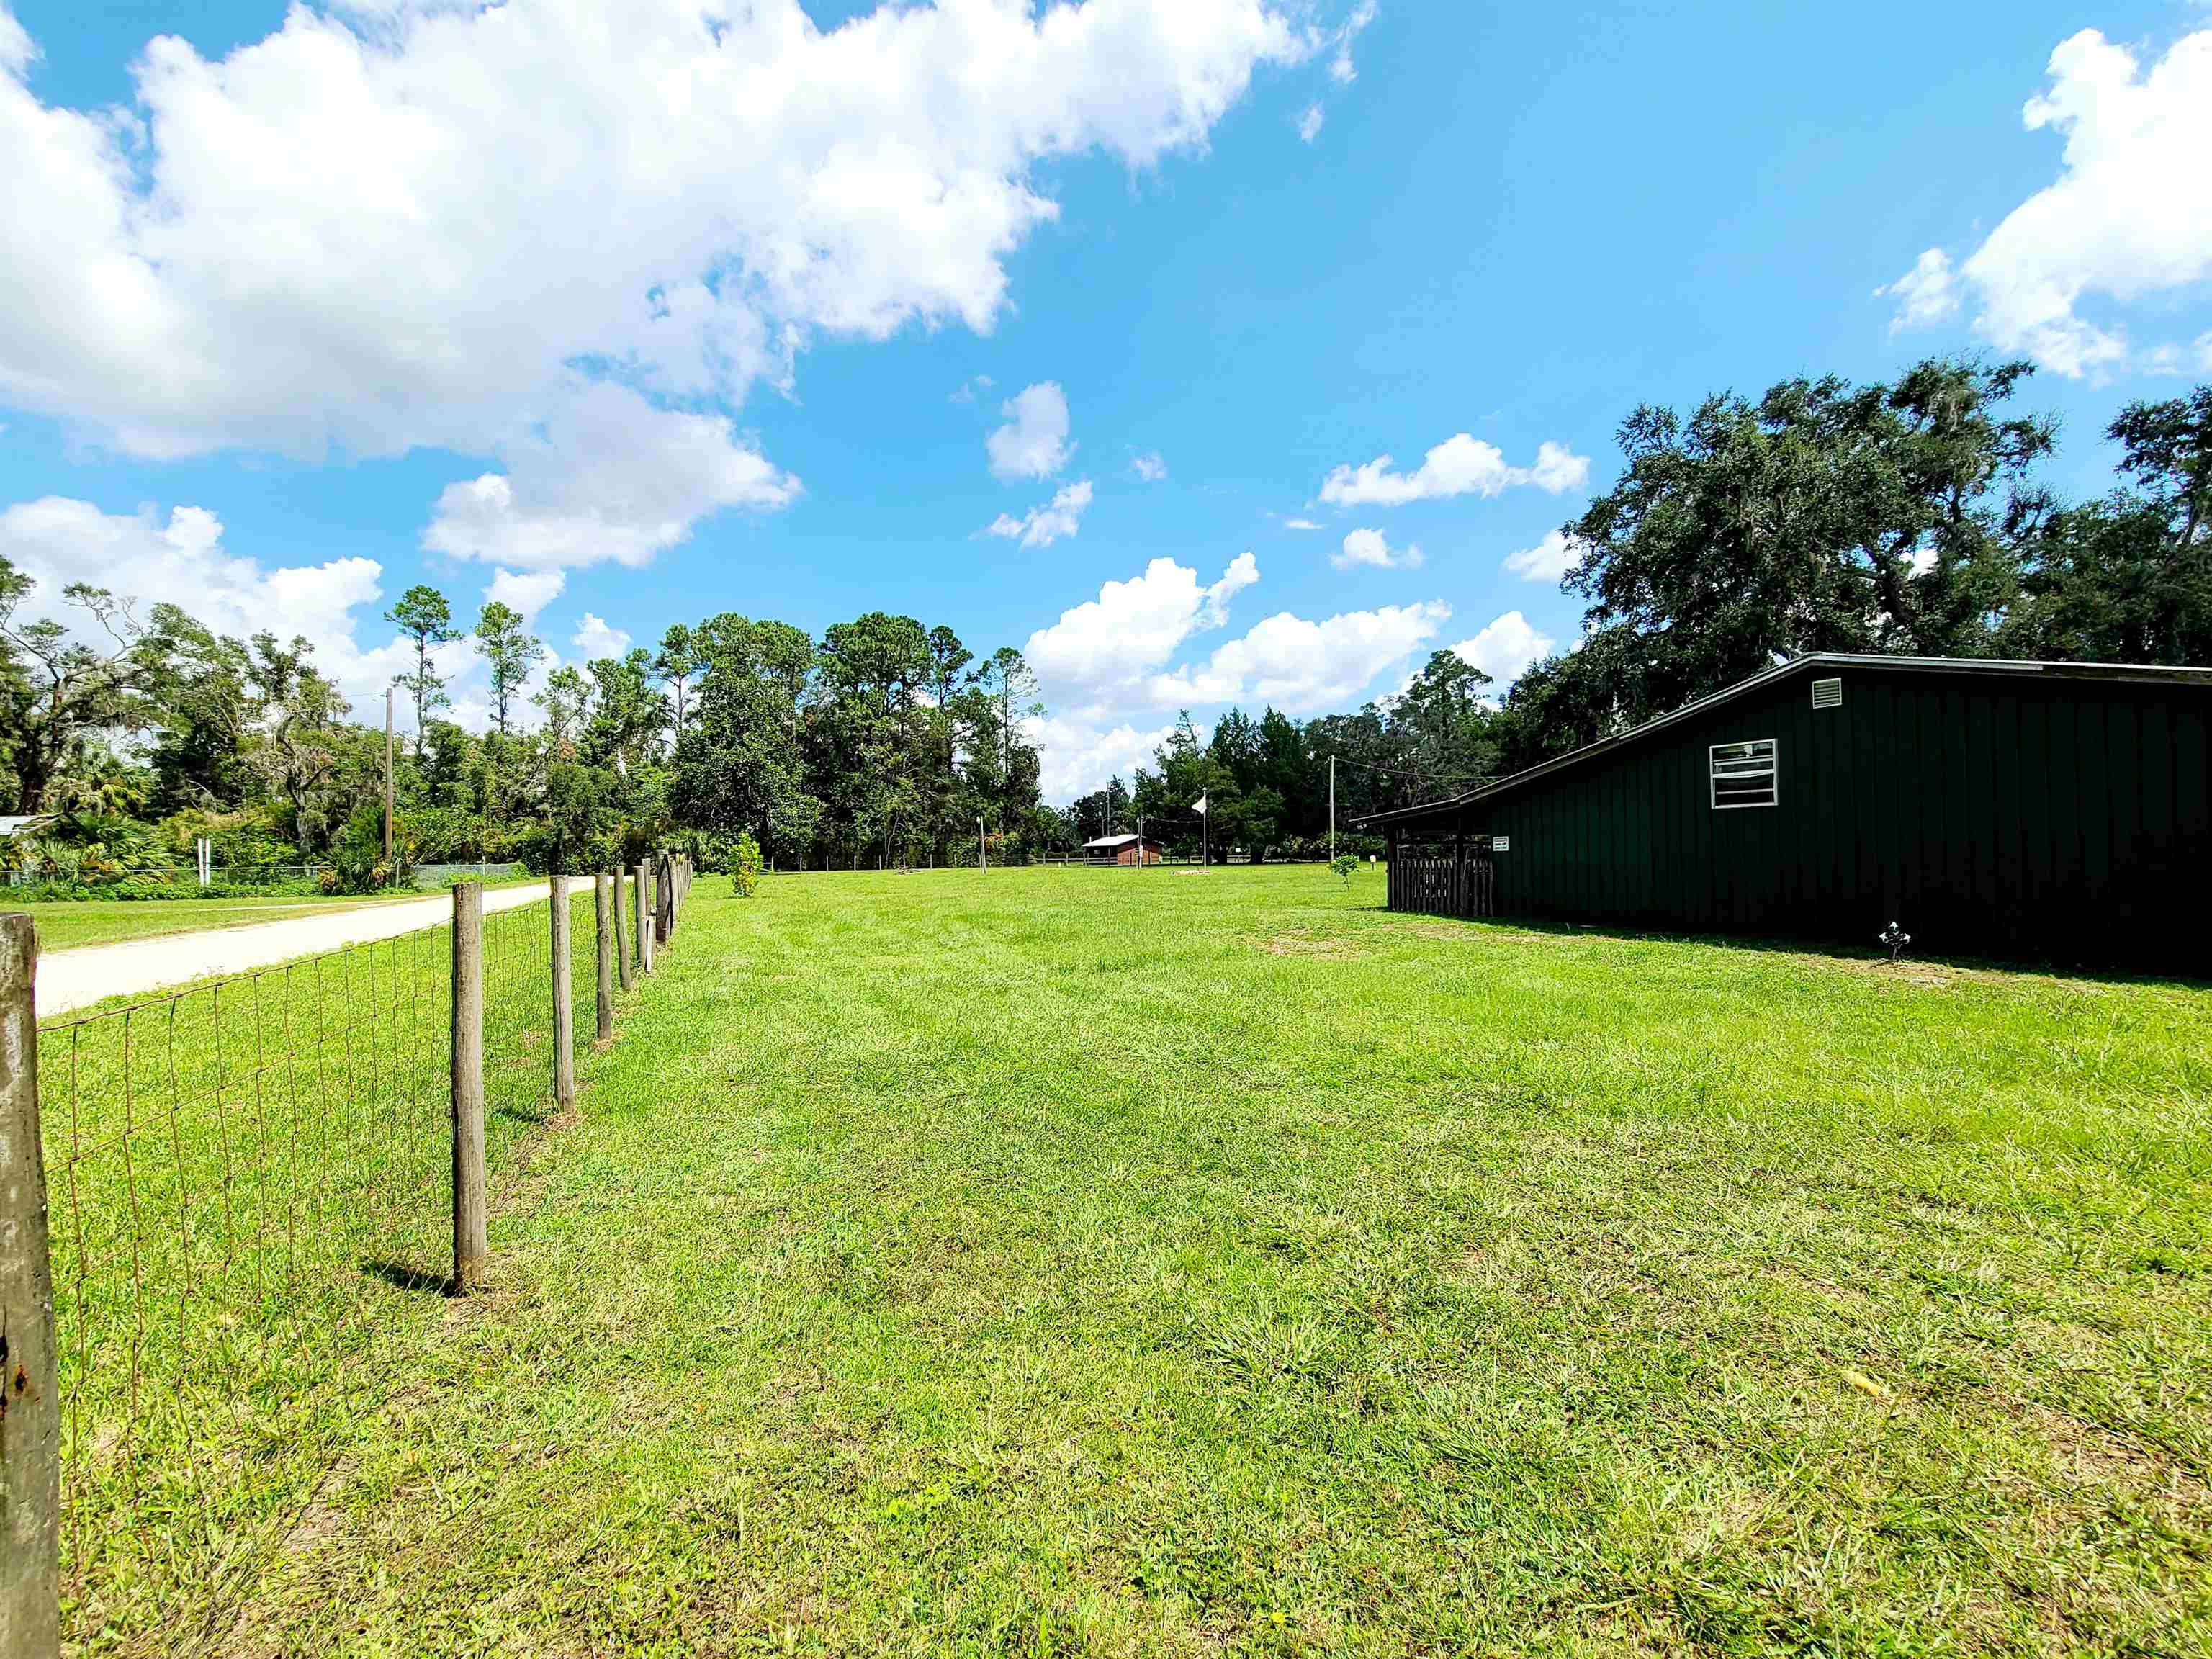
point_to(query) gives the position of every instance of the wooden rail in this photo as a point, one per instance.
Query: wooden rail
(1438, 884)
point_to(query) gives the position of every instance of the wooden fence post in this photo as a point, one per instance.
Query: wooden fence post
(564, 999)
(645, 924)
(664, 902)
(471, 1243)
(622, 938)
(30, 1385)
(602, 943)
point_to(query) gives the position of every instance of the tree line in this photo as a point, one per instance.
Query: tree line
(127, 737)
(1899, 516)
(1904, 516)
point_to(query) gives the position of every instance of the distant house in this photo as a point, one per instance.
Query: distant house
(1123, 849)
(2025, 810)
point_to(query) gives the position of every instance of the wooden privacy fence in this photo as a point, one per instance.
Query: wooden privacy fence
(212, 1204)
(1443, 883)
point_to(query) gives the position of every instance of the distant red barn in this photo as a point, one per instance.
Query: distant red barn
(1123, 849)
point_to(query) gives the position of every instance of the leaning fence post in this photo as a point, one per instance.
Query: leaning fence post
(603, 943)
(30, 1391)
(471, 1245)
(664, 901)
(646, 923)
(564, 999)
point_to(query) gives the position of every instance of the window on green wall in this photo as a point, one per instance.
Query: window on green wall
(1744, 773)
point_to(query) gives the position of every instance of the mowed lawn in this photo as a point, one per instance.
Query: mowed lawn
(1117, 1262)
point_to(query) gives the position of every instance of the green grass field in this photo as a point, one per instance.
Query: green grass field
(1131, 1262)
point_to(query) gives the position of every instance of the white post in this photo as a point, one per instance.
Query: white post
(1332, 809)
(982, 847)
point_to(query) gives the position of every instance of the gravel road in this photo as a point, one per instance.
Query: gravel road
(93, 973)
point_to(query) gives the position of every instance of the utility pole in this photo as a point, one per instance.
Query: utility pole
(1332, 809)
(387, 777)
(982, 847)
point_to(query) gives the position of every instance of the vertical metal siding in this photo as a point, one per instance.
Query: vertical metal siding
(2045, 819)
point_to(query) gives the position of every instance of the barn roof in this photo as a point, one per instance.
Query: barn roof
(1991, 667)
(1105, 842)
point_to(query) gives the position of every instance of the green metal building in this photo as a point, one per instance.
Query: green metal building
(2033, 812)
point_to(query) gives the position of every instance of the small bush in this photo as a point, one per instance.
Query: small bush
(1346, 866)
(745, 865)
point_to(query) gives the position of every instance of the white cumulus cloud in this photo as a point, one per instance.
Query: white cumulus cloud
(596, 637)
(1461, 465)
(1506, 647)
(1370, 547)
(526, 593)
(1033, 443)
(1926, 294)
(1305, 667)
(2127, 217)
(607, 476)
(1042, 526)
(413, 224)
(1149, 466)
(1549, 561)
(1105, 648)
(1078, 756)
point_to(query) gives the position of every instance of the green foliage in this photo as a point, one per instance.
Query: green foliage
(62, 688)
(745, 865)
(1344, 867)
(510, 650)
(1898, 517)
(300, 751)
(422, 616)
(445, 835)
(572, 831)
(357, 861)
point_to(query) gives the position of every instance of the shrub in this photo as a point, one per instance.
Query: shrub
(359, 857)
(745, 865)
(1346, 867)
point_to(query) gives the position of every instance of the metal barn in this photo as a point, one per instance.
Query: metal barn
(1123, 849)
(2032, 811)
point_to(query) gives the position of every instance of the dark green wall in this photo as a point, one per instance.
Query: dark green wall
(2028, 817)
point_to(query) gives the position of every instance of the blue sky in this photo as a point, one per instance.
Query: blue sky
(697, 315)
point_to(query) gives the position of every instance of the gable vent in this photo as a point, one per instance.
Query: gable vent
(1828, 694)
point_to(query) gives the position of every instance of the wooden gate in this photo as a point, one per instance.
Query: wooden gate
(1430, 883)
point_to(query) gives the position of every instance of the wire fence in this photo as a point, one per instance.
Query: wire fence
(248, 1181)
